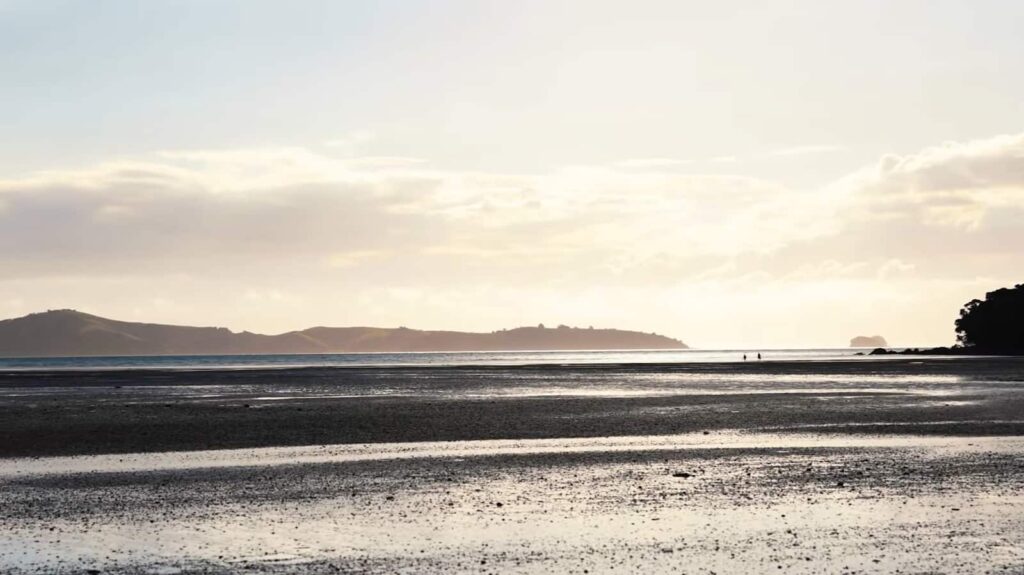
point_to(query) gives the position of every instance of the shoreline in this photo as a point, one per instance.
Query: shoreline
(450, 360)
(767, 365)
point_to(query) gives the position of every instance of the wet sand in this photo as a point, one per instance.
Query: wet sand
(69, 413)
(869, 466)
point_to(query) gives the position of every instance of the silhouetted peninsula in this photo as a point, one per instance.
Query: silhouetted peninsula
(72, 333)
(995, 324)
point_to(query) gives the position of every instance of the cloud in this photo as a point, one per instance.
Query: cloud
(208, 208)
(350, 143)
(965, 189)
(239, 210)
(316, 230)
(952, 211)
(134, 218)
(968, 167)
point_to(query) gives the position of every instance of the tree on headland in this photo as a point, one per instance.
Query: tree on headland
(995, 324)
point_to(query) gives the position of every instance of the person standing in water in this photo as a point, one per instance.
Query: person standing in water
(758, 356)
(744, 357)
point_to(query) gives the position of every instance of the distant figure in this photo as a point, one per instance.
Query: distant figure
(744, 357)
(758, 356)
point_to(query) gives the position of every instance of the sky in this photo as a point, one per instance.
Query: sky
(733, 174)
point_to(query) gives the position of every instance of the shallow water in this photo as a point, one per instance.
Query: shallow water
(425, 359)
(466, 383)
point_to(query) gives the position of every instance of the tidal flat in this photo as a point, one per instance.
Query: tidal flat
(892, 466)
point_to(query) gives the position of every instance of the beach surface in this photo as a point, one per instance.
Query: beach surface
(895, 465)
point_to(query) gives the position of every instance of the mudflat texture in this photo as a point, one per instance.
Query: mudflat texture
(889, 466)
(67, 412)
(914, 505)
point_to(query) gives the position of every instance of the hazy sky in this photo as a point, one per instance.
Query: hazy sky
(765, 173)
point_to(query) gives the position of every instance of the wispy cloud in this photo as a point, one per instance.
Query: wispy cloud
(724, 160)
(804, 150)
(351, 140)
(650, 163)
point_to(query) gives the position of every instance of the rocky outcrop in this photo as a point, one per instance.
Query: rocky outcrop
(868, 341)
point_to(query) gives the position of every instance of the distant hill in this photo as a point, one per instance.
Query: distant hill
(73, 333)
(868, 341)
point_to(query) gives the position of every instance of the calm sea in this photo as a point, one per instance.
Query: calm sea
(423, 359)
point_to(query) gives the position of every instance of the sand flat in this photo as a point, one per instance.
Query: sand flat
(690, 504)
(879, 467)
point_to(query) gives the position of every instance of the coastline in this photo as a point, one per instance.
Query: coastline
(953, 351)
